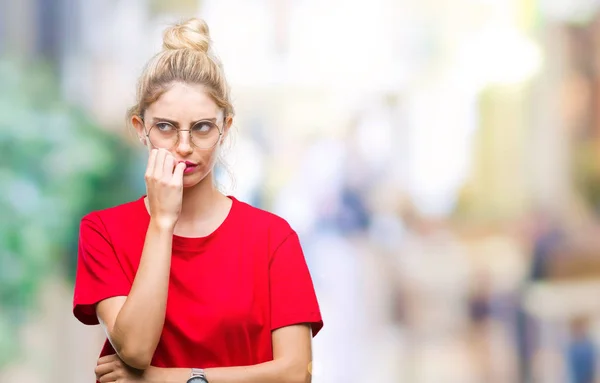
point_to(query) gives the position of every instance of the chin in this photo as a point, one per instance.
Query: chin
(187, 185)
(194, 180)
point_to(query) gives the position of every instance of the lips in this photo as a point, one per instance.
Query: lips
(189, 166)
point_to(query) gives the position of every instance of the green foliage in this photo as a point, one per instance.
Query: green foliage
(55, 166)
(586, 173)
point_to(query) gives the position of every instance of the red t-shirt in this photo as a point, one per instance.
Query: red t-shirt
(227, 291)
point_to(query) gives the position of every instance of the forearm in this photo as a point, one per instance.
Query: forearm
(276, 371)
(140, 322)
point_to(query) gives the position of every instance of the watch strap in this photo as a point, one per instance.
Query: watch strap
(197, 373)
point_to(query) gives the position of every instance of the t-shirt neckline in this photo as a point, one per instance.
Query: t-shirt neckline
(189, 243)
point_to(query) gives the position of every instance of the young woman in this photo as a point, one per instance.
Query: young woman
(191, 285)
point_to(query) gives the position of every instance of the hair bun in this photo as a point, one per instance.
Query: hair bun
(191, 34)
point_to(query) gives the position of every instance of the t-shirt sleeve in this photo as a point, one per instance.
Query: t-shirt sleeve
(99, 273)
(293, 298)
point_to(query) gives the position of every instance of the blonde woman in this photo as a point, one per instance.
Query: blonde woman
(191, 285)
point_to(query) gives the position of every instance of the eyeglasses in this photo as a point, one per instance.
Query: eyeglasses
(204, 134)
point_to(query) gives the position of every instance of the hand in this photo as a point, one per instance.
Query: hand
(164, 185)
(111, 369)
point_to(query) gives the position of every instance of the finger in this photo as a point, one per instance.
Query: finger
(104, 369)
(178, 173)
(107, 359)
(108, 378)
(151, 161)
(160, 163)
(168, 166)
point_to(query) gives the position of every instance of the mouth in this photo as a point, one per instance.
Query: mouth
(189, 166)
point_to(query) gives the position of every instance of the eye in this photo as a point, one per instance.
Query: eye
(165, 127)
(203, 127)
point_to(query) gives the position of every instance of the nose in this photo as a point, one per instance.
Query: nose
(184, 146)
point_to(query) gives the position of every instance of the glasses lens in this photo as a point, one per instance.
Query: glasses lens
(205, 134)
(163, 135)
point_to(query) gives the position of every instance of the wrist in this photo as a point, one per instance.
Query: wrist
(167, 375)
(163, 224)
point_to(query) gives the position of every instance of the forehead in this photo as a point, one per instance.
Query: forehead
(184, 103)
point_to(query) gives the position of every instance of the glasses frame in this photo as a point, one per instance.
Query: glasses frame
(179, 130)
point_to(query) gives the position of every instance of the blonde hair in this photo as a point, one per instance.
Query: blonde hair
(186, 57)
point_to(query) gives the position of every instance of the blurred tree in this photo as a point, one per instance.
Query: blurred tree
(586, 173)
(55, 166)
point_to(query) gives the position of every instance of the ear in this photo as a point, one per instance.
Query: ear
(138, 124)
(226, 126)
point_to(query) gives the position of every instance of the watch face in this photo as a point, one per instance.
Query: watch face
(197, 379)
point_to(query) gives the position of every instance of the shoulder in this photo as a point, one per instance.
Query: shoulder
(264, 222)
(261, 217)
(123, 215)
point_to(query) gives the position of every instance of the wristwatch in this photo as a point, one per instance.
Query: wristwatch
(198, 376)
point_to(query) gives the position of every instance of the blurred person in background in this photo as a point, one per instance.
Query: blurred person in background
(581, 352)
(190, 284)
(546, 235)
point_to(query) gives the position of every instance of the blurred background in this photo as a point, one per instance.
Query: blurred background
(440, 161)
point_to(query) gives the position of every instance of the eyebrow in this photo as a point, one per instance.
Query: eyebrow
(176, 124)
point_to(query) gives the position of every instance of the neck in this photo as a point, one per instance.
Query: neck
(199, 202)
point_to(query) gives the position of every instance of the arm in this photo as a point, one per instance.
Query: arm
(292, 355)
(134, 339)
(134, 323)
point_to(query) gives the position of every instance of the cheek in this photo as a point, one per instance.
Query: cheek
(209, 158)
(207, 161)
